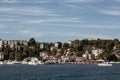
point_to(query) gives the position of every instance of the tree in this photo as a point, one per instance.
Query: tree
(32, 42)
(109, 45)
(112, 57)
(76, 45)
(6, 53)
(54, 51)
(84, 42)
(25, 49)
(105, 55)
(59, 45)
(19, 56)
(65, 46)
(12, 56)
(116, 42)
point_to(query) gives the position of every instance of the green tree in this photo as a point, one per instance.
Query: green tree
(76, 45)
(6, 53)
(32, 42)
(25, 49)
(65, 46)
(19, 56)
(54, 51)
(116, 42)
(12, 56)
(105, 55)
(112, 57)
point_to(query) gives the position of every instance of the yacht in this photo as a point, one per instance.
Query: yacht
(104, 64)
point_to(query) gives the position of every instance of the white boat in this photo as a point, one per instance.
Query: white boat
(1, 63)
(104, 64)
(32, 63)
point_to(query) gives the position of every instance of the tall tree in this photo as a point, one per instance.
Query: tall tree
(32, 42)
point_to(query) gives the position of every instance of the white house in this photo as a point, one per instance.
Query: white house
(86, 54)
(42, 45)
(97, 51)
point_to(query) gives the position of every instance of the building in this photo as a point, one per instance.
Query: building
(97, 51)
(42, 45)
(58, 45)
(1, 44)
(24, 42)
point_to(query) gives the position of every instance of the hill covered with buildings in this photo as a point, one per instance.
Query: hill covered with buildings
(71, 51)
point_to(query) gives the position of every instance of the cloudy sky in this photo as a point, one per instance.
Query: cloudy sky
(59, 20)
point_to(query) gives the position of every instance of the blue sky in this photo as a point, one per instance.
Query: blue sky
(59, 20)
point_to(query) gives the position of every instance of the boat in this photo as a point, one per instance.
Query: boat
(32, 63)
(104, 64)
(1, 63)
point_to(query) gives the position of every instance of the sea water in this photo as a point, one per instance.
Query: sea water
(59, 72)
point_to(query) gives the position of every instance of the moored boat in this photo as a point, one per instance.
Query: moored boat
(104, 64)
(1, 63)
(32, 63)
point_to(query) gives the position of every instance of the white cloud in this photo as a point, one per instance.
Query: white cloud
(70, 5)
(111, 12)
(9, 1)
(32, 11)
(40, 2)
(53, 20)
(93, 26)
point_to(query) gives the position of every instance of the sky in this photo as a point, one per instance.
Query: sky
(59, 20)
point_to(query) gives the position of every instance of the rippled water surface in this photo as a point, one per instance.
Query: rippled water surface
(59, 72)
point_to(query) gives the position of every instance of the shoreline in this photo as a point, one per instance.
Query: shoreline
(44, 63)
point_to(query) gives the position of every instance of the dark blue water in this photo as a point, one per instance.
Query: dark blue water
(59, 72)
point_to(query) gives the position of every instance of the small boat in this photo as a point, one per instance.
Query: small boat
(104, 64)
(1, 63)
(16, 62)
(32, 63)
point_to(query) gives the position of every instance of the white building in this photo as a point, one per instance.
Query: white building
(98, 51)
(1, 44)
(56, 45)
(24, 42)
(42, 45)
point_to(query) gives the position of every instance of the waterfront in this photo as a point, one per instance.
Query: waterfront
(59, 72)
